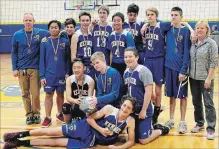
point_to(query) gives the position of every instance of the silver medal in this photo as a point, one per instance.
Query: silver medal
(55, 58)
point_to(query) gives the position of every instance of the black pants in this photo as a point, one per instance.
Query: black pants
(198, 91)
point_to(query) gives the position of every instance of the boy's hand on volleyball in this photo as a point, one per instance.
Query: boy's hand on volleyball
(77, 101)
(43, 82)
(142, 114)
(15, 73)
(93, 101)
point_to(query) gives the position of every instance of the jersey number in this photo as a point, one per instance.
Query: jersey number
(101, 42)
(87, 51)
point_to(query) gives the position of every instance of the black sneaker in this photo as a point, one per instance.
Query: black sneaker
(36, 120)
(11, 144)
(12, 136)
(29, 120)
(164, 129)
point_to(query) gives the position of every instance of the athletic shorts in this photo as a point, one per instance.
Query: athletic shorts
(49, 89)
(79, 134)
(55, 84)
(172, 84)
(156, 66)
(143, 127)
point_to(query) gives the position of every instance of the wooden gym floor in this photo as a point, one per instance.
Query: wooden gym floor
(13, 119)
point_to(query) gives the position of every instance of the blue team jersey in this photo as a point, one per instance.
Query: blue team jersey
(84, 47)
(177, 54)
(22, 56)
(54, 67)
(100, 39)
(109, 88)
(113, 125)
(81, 135)
(155, 40)
(135, 29)
(118, 42)
(136, 87)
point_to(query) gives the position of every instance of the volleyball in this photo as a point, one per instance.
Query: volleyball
(85, 104)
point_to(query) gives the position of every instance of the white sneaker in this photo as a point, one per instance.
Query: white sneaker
(197, 128)
(210, 135)
(182, 127)
(169, 124)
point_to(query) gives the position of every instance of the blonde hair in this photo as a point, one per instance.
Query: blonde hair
(98, 55)
(204, 22)
(104, 7)
(153, 9)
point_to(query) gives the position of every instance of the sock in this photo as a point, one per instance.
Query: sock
(24, 142)
(157, 109)
(25, 134)
(160, 131)
(172, 120)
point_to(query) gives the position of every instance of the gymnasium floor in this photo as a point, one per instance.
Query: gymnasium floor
(12, 115)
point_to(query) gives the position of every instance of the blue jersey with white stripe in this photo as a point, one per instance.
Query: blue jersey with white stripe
(134, 28)
(155, 40)
(118, 42)
(178, 45)
(54, 67)
(136, 87)
(113, 125)
(84, 47)
(100, 39)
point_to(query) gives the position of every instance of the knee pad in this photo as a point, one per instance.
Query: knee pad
(66, 108)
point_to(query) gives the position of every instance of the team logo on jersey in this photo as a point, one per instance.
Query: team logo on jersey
(37, 37)
(130, 80)
(120, 43)
(112, 127)
(109, 81)
(62, 45)
(180, 37)
(44, 39)
(72, 127)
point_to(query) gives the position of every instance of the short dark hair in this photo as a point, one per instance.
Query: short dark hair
(133, 100)
(70, 21)
(133, 8)
(55, 21)
(77, 60)
(133, 50)
(177, 9)
(84, 14)
(119, 14)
